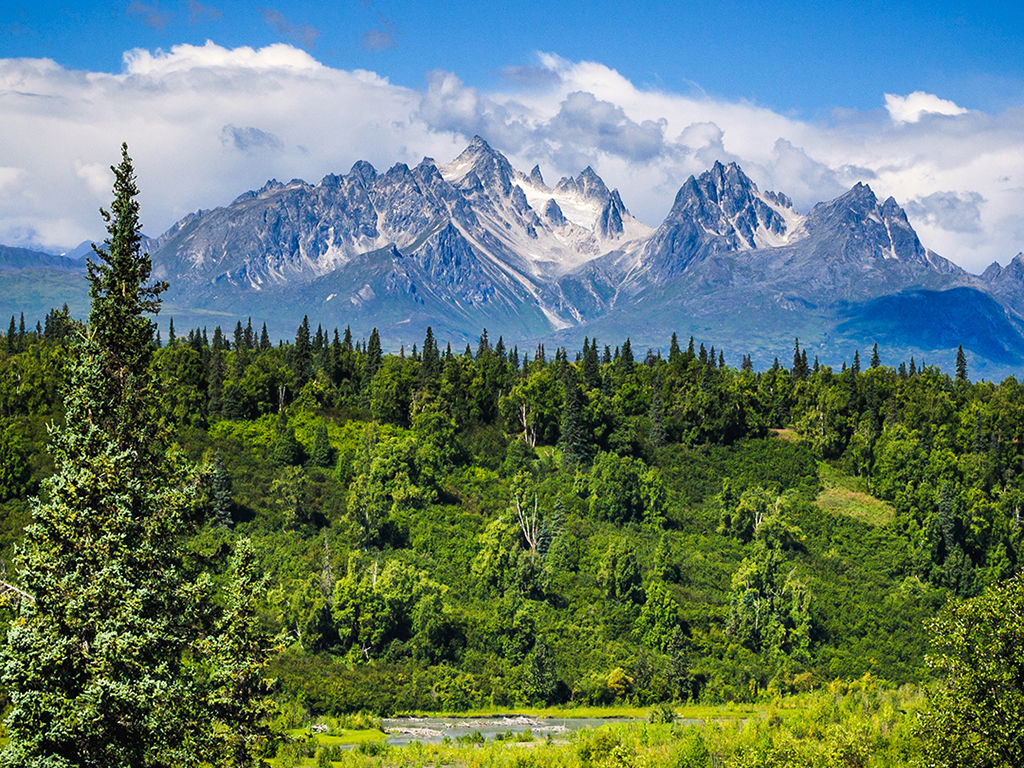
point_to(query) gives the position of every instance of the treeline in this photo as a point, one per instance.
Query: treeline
(493, 525)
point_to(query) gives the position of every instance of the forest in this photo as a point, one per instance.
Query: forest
(492, 529)
(448, 530)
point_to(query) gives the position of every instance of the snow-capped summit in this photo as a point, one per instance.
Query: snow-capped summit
(475, 243)
(721, 211)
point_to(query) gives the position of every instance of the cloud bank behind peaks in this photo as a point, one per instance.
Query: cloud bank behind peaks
(914, 106)
(205, 123)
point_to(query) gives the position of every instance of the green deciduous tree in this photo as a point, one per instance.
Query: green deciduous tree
(385, 484)
(977, 717)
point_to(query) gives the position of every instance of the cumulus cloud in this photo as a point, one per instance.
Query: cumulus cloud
(583, 116)
(914, 106)
(953, 211)
(206, 123)
(214, 60)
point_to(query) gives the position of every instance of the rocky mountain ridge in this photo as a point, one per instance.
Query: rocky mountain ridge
(476, 243)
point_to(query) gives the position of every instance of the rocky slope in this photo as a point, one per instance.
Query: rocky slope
(475, 243)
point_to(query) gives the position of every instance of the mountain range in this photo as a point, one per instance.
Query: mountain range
(475, 243)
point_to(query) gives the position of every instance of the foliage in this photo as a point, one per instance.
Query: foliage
(119, 654)
(977, 716)
(588, 530)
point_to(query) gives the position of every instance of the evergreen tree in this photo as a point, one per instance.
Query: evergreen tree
(12, 338)
(264, 339)
(120, 657)
(626, 357)
(657, 414)
(430, 366)
(799, 362)
(876, 361)
(674, 353)
(856, 362)
(215, 375)
(221, 503)
(302, 354)
(961, 364)
(323, 454)
(286, 449)
(573, 440)
(591, 365)
(373, 358)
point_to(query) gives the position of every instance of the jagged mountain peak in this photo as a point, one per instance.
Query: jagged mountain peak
(1013, 271)
(727, 174)
(586, 184)
(553, 213)
(609, 223)
(720, 211)
(475, 238)
(398, 171)
(364, 172)
(781, 200)
(491, 168)
(272, 186)
(857, 228)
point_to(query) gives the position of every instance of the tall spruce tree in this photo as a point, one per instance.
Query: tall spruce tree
(12, 338)
(120, 657)
(302, 354)
(430, 367)
(961, 364)
(591, 365)
(573, 440)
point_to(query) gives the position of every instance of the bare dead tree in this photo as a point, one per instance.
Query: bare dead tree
(529, 521)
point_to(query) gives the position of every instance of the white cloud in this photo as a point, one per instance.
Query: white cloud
(914, 106)
(96, 176)
(9, 176)
(205, 123)
(182, 58)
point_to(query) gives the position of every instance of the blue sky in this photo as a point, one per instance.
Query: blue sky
(808, 57)
(922, 101)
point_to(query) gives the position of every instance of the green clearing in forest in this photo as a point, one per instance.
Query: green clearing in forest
(843, 494)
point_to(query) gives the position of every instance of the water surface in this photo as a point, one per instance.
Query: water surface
(434, 730)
